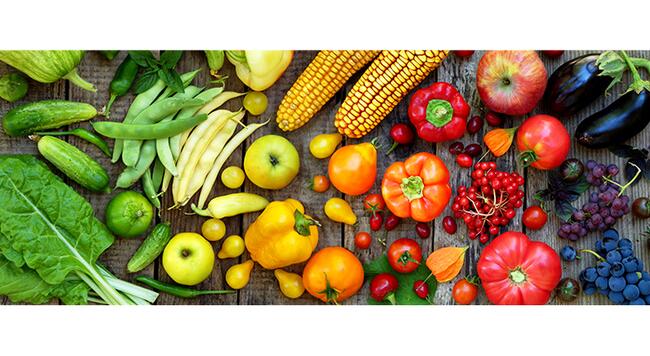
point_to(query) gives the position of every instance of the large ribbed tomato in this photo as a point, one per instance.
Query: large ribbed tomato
(515, 270)
(543, 142)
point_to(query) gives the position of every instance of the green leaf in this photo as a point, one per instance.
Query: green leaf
(142, 58)
(169, 59)
(563, 210)
(145, 82)
(172, 79)
(404, 294)
(613, 65)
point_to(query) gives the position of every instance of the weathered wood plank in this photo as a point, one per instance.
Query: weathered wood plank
(181, 222)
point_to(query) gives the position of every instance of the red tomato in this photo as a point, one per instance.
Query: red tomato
(515, 270)
(534, 217)
(376, 221)
(373, 203)
(404, 255)
(543, 142)
(464, 292)
(362, 240)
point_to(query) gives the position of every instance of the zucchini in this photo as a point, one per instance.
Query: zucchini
(150, 248)
(77, 165)
(44, 115)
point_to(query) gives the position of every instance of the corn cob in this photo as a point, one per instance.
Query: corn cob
(388, 79)
(324, 76)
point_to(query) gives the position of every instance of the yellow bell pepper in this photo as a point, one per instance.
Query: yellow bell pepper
(282, 235)
(259, 69)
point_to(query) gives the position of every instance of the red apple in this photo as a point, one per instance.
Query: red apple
(511, 82)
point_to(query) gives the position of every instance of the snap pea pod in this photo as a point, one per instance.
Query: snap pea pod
(150, 248)
(146, 132)
(157, 173)
(122, 81)
(176, 290)
(149, 189)
(84, 135)
(143, 100)
(151, 115)
(130, 175)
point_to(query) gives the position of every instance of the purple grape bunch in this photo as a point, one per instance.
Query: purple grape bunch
(605, 205)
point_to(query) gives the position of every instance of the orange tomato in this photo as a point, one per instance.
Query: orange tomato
(417, 188)
(353, 168)
(319, 184)
(333, 275)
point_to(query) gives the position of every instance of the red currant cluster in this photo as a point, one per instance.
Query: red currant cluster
(489, 202)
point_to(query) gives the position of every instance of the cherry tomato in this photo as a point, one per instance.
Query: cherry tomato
(449, 224)
(421, 288)
(464, 292)
(474, 124)
(255, 102)
(383, 287)
(373, 203)
(362, 240)
(376, 221)
(543, 142)
(641, 208)
(423, 230)
(534, 217)
(493, 119)
(464, 160)
(463, 54)
(404, 255)
(553, 53)
(319, 184)
(391, 222)
(402, 134)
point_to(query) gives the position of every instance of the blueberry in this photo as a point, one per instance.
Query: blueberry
(617, 269)
(568, 253)
(590, 274)
(609, 243)
(644, 287)
(603, 269)
(614, 256)
(637, 301)
(631, 264)
(617, 284)
(589, 288)
(647, 299)
(645, 276)
(616, 297)
(601, 282)
(631, 292)
(610, 234)
(603, 291)
(632, 277)
(598, 246)
(624, 243)
(626, 252)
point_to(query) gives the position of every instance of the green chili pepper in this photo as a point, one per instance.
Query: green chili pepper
(13, 87)
(146, 132)
(109, 54)
(176, 290)
(130, 175)
(149, 189)
(84, 135)
(122, 81)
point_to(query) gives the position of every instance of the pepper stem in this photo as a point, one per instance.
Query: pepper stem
(439, 112)
(517, 276)
(303, 223)
(412, 187)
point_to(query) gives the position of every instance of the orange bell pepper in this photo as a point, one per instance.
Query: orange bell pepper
(417, 188)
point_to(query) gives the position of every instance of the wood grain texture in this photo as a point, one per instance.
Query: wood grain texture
(263, 288)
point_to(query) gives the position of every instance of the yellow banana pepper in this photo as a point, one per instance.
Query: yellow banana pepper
(259, 69)
(282, 235)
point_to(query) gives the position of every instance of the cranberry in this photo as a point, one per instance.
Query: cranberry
(376, 220)
(391, 222)
(474, 124)
(493, 119)
(456, 148)
(449, 224)
(423, 230)
(473, 150)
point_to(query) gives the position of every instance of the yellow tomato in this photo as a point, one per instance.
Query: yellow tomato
(323, 145)
(237, 276)
(233, 246)
(255, 102)
(233, 177)
(339, 210)
(290, 283)
(213, 229)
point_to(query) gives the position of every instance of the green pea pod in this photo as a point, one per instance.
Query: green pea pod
(149, 190)
(157, 174)
(130, 175)
(13, 87)
(84, 135)
(150, 248)
(122, 81)
(176, 290)
(146, 132)
(109, 54)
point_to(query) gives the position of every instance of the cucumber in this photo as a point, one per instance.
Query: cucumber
(77, 165)
(44, 115)
(150, 248)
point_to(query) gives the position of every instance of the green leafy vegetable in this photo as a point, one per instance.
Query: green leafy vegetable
(404, 295)
(50, 231)
(562, 194)
(163, 68)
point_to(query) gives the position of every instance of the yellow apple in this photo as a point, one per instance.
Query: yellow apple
(271, 162)
(188, 258)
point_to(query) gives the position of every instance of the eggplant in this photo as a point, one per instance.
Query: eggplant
(618, 122)
(574, 85)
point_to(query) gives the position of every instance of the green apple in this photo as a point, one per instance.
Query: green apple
(188, 258)
(271, 162)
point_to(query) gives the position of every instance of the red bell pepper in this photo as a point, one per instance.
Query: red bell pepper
(438, 112)
(515, 270)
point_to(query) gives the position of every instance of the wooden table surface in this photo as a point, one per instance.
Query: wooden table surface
(263, 288)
